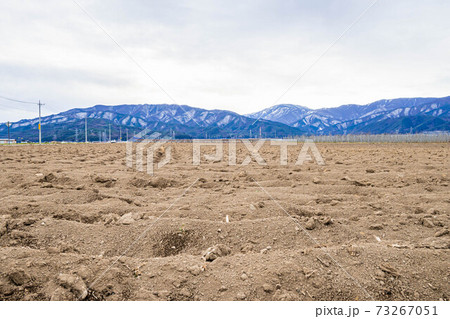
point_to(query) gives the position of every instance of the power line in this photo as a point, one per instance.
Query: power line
(51, 108)
(16, 107)
(320, 57)
(130, 57)
(123, 50)
(18, 101)
(26, 102)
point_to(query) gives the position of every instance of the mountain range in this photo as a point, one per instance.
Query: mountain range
(404, 115)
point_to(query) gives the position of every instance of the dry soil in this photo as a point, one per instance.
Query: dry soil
(77, 224)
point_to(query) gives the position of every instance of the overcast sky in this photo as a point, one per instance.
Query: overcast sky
(236, 55)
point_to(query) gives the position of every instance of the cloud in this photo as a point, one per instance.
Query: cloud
(237, 55)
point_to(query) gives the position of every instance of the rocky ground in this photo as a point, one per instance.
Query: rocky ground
(77, 224)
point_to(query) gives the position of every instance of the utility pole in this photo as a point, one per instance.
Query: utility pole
(110, 133)
(40, 136)
(85, 129)
(9, 136)
(120, 133)
(76, 135)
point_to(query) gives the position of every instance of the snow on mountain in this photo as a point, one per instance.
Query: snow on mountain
(383, 116)
(186, 121)
(337, 120)
(283, 113)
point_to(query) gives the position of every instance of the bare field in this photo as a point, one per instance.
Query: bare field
(372, 223)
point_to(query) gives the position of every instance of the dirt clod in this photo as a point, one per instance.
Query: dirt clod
(441, 232)
(267, 288)
(241, 296)
(216, 251)
(427, 222)
(376, 227)
(18, 277)
(126, 219)
(74, 284)
(311, 223)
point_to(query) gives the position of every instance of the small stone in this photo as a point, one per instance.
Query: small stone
(138, 215)
(244, 276)
(427, 222)
(316, 180)
(223, 288)
(327, 220)
(75, 284)
(212, 253)
(370, 170)
(265, 250)
(376, 227)
(252, 207)
(241, 296)
(310, 224)
(268, 288)
(126, 219)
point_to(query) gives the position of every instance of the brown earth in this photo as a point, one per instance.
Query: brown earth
(77, 223)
